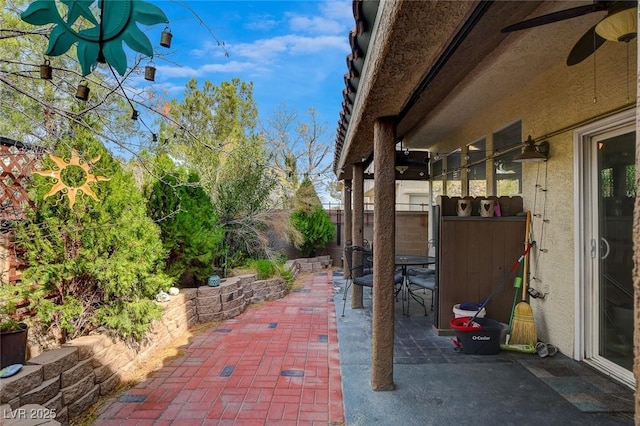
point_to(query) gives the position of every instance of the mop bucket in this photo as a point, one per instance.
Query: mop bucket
(480, 337)
(461, 310)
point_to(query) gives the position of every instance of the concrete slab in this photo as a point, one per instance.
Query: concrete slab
(435, 385)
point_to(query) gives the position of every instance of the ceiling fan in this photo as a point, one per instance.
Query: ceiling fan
(620, 24)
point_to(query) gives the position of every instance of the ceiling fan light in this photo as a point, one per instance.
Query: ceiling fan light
(620, 26)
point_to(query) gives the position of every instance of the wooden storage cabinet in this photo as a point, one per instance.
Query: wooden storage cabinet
(475, 253)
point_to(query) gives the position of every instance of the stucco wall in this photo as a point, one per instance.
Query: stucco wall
(561, 98)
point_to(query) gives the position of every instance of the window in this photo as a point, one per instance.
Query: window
(508, 173)
(477, 171)
(418, 202)
(437, 187)
(454, 174)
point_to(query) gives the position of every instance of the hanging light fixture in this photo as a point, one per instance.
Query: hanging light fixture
(83, 90)
(533, 152)
(165, 37)
(150, 71)
(619, 25)
(401, 169)
(46, 70)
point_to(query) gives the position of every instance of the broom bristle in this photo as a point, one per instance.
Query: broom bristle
(523, 330)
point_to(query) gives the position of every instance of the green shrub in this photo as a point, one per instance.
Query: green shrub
(9, 320)
(316, 229)
(265, 268)
(93, 264)
(310, 220)
(286, 274)
(187, 221)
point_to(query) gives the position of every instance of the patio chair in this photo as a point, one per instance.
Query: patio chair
(360, 268)
(425, 278)
(425, 281)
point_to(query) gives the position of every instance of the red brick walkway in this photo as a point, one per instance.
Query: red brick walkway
(276, 364)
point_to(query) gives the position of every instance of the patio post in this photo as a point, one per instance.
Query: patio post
(348, 237)
(384, 231)
(358, 227)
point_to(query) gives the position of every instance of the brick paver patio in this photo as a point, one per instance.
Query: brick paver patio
(276, 364)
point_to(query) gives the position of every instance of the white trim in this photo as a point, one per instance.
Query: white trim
(612, 370)
(578, 232)
(582, 219)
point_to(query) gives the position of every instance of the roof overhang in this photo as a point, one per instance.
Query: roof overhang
(427, 59)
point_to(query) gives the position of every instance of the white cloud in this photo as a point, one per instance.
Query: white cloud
(327, 30)
(169, 72)
(176, 72)
(316, 44)
(339, 10)
(232, 66)
(261, 22)
(171, 90)
(267, 49)
(333, 18)
(208, 49)
(315, 24)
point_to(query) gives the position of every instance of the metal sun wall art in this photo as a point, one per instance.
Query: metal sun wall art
(99, 39)
(70, 190)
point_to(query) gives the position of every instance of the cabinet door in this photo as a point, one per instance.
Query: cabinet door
(476, 257)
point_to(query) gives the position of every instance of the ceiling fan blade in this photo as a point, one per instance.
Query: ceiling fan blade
(585, 47)
(556, 16)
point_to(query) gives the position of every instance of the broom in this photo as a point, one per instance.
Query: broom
(524, 325)
(517, 283)
(507, 346)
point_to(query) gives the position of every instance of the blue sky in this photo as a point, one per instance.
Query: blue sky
(293, 51)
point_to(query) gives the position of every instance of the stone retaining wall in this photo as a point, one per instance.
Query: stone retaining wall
(66, 381)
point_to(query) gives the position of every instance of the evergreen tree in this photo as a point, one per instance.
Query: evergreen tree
(186, 217)
(310, 219)
(217, 137)
(96, 263)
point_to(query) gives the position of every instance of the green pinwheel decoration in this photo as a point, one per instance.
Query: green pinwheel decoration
(99, 39)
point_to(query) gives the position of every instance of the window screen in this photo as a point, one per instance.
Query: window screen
(477, 173)
(437, 187)
(508, 174)
(454, 175)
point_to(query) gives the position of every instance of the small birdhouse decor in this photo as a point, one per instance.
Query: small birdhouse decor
(72, 176)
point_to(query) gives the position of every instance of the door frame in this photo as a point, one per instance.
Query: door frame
(584, 300)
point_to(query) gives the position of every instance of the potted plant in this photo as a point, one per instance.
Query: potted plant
(13, 337)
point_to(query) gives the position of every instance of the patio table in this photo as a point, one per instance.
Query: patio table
(403, 261)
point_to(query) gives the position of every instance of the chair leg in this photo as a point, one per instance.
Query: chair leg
(417, 298)
(344, 295)
(344, 292)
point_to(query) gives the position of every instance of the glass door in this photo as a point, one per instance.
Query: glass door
(613, 191)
